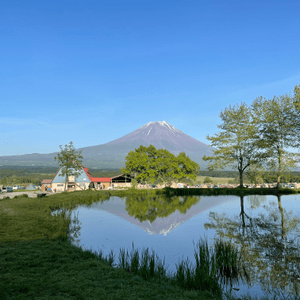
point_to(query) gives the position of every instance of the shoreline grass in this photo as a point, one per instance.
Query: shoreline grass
(54, 269)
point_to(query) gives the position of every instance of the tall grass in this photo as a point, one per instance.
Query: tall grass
(212, 269)
(142, 263)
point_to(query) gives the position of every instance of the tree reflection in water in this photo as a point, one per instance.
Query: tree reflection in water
(149, 208)
(268, 243)
(74, 230)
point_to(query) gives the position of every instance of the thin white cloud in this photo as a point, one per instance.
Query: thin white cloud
(268, 90)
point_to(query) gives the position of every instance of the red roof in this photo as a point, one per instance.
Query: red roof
(100, 179)
(96, 179)
(92, 179)
(87, 172)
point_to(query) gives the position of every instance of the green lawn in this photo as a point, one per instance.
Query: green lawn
(53, 269)
(221, 180)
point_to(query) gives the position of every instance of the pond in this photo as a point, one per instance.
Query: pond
(266, 229)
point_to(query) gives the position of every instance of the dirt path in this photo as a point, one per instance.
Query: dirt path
(31, 194)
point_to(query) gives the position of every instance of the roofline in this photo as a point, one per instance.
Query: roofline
(122, 175)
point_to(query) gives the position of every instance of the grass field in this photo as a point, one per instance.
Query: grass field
(220, 180)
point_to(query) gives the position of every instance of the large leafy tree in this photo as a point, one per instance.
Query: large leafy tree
(149, 164)
(69, 160)
(235, 145)
(278, 131)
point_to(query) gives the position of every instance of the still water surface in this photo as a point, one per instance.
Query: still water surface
(266, 228)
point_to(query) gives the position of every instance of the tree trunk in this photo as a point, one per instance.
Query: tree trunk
(241, 178)
(243, 214)
(279, 168)
(282, 217)
(241, 170)
(66, 183)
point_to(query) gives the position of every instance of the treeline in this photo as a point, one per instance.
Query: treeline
(105, 173)
(22, 175)
(231, 174)
(265, 177)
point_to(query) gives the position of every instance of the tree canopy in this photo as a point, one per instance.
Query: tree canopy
(258, 137)
(235, 145)
(277, 132)
(69, 160)
(149, 164)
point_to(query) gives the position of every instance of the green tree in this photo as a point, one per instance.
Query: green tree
(149, 164)
(255, 173)
(140, 163)
(277, 132)
(187, 168)
(69, 160)
(235, 146)
(295, 117)
(207, 180)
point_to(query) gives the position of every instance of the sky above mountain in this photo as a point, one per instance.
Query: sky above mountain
(93, 71)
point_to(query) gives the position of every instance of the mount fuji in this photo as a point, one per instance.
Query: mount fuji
(112, 154)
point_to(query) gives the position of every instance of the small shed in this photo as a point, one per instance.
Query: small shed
(46, 184)
(122, 180)
(31, 187)
(100, 182)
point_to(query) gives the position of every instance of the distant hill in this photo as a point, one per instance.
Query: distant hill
(112, 154)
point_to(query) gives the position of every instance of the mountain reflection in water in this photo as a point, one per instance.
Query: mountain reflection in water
(266, 229)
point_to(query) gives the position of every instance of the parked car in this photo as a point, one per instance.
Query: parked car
(4, 189)
(110, 188)
(9, 189)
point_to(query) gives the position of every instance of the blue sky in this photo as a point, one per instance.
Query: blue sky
(93, 71)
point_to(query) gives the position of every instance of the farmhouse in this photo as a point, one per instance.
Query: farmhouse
(85, 181)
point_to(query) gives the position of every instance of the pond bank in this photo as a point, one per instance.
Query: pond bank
(54, 269)
(30, 224)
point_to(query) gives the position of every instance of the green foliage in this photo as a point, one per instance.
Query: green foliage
(276, 121)
(235, 145)
(254, 173)
(149, 164)
(259, 137)
(69, 161)
(207, 180)
(133, 184)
